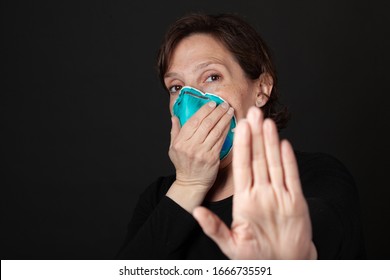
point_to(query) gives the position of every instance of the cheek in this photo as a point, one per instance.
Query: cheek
(239, 110)
(240, 100)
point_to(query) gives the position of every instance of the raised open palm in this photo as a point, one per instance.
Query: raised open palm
(270, 214)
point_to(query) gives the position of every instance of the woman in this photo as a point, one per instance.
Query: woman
(263, 200)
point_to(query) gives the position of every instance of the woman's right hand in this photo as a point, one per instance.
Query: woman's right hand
(194, 151)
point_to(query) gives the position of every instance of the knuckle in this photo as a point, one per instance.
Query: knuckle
(190, 156)
(207, 123)
(193, 122)
(216, 132)
(177, 146)
(202, 157)
(214, 158)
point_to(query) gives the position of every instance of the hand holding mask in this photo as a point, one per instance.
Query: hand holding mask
(190, 100)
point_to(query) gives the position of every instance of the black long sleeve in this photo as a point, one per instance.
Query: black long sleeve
(158, 223)
(161, 229)
(334, 208)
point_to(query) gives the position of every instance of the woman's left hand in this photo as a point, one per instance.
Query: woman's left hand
(270, 214)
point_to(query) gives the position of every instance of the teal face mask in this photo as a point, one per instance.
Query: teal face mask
(189, 101)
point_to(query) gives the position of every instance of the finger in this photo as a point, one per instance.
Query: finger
(175, 128)
(259, 162)
(216, 149)
(242, 167)
(291, 172)
(214, 228)
(217, 135)
(272, 151)
(209, 122)
(193, 123)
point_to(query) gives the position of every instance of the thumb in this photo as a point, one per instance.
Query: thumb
(175, 128)
(214, 228)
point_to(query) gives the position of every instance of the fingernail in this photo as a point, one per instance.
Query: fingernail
(230, 111)
(212, 104)
(224, 105)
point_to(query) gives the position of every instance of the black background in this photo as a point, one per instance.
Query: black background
(85, 123)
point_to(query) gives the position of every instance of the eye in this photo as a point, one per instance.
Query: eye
(174, 89)
(213, 78)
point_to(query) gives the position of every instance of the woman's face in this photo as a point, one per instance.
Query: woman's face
(202, 62)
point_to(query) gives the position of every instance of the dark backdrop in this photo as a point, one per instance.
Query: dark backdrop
(85, 123)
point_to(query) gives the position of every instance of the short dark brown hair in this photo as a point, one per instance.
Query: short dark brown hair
(241, 39)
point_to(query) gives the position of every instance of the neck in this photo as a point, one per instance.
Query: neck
(223, 186)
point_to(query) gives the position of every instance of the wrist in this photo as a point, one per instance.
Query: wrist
(187, 195)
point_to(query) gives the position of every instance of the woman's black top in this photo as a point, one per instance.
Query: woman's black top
(161, 229)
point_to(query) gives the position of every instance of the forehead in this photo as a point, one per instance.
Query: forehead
(197, 48)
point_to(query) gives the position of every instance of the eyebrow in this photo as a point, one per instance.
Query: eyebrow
(197, 68)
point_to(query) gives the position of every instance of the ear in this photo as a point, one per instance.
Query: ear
(264, 89)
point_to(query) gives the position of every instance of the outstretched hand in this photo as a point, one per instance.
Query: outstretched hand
(270, 214)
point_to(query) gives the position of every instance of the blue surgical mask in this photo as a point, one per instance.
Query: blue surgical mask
(190, 100)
